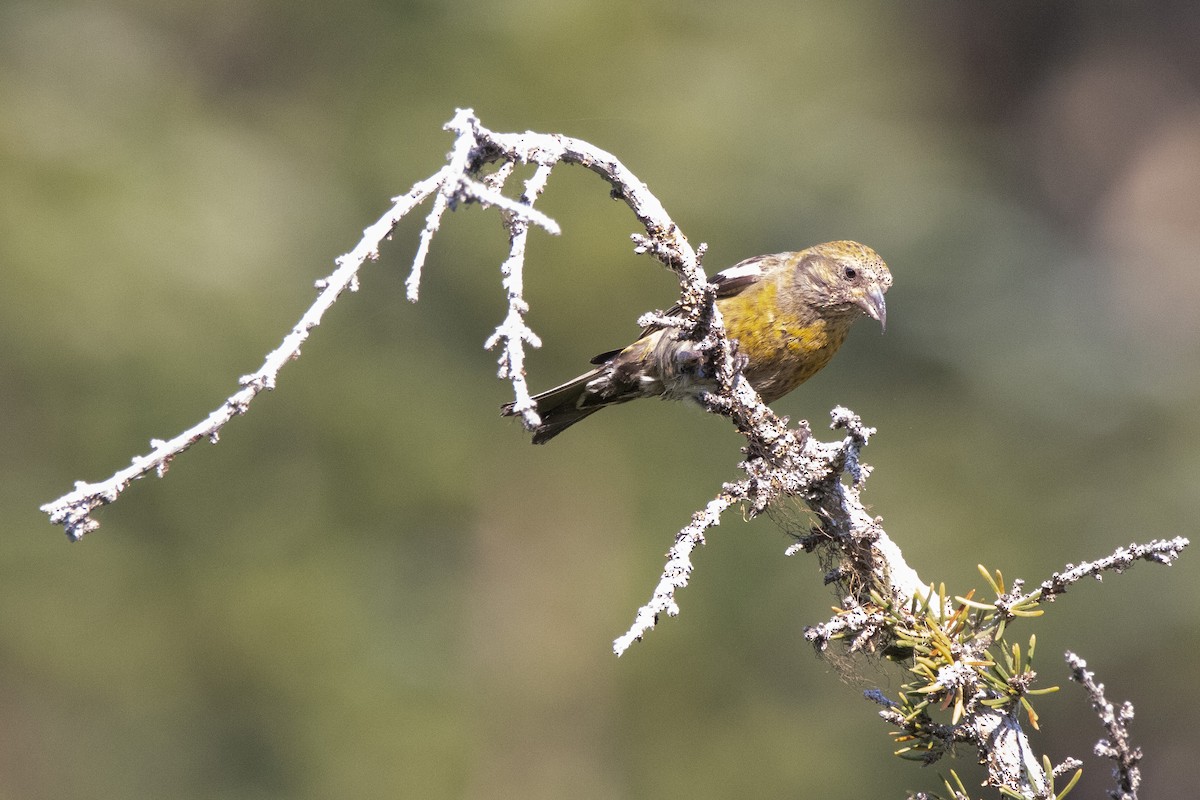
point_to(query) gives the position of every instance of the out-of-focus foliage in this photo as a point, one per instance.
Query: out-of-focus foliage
(374, 587)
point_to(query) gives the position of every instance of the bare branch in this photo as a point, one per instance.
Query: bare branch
(513, 332)
(1161, 551)
(74, 510)
(670, 245)
(1117, 746)
(679, 566)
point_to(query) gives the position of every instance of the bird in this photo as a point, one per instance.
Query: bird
(788, 313)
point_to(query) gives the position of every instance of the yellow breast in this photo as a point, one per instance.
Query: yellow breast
(783, 348)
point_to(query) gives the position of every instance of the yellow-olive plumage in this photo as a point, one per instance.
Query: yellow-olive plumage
(789, 313)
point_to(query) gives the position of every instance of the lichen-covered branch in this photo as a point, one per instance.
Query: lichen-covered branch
(1158, 551)
(961, 663)
(679, 565)
(1117, 746)
(74, 510)
(449, 186)
(513, 334)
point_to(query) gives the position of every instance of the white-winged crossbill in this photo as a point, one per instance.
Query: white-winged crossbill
(788, 312)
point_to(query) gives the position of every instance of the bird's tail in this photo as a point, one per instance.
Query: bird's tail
(561, 407)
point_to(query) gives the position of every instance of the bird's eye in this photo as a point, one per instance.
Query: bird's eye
(851, 273)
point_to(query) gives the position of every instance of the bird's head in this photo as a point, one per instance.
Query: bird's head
(845, 277)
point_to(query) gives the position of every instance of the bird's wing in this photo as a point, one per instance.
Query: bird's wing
(729, 282)
(736, 279)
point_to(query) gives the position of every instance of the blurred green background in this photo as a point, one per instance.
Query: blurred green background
(374, 586)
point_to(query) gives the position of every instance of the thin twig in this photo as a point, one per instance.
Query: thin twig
(1160, 551)
(513, 333)
(1117, 746)
(74, 510)
(451, 185)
